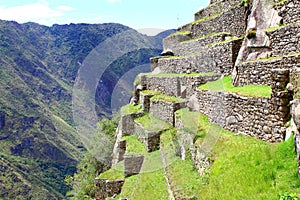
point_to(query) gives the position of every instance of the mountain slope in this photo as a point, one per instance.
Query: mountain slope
(38, 67)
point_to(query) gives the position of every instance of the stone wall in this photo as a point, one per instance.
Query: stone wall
(289, 11)
(216, 7)
(150, 139)
(133, 164)
(219, 58)
(126, 124)
(107, 188)
(179, 65)
(261, 72)
(285, 40)
(262, 118)
(178, 86)
(165, 110)
(295, 127)
(232, 21)
(198, 45)
(174, 39)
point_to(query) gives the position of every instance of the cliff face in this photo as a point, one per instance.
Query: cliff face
(251, 44)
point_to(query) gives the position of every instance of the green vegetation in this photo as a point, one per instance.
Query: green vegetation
(251, 34)
(151, 92)
(167, 98)
(180, 33)
(133, 145)
(280, 2)
(90, 167)
(115, 173)
(206, 18)
(225, 84)
(276, 27)
(185, 179)
(247, 168)
(226, 41)
(152, 123)
(129, 109)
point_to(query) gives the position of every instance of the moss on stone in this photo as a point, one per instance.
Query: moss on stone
(276, 28)
(225, 41)
(279, 3)
(180, 33)
(225, 84)
(206, 18)
(129, 109)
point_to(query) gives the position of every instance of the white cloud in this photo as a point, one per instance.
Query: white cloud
(37, 12)
(65, 8)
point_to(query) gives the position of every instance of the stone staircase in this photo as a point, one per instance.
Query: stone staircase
(211, 47)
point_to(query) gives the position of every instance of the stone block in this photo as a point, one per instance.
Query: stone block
(133, 164)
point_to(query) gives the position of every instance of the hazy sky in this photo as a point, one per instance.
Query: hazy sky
(134, 13)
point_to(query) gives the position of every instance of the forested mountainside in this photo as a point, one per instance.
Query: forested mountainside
(38, 67)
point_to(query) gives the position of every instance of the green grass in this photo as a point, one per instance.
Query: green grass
(152, 123)
(247, 168)
(133, 145)
(243, 167)
(276, 28)
(279, 3)
(180, 33)
(206, 18)
(225, 84)
(151, 92)
(225, 41)
(150, 184)
(115, 173)
(129, 109)
(167, 98)
(184, 178)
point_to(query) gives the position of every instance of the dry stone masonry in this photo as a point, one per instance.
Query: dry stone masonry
(257, 43)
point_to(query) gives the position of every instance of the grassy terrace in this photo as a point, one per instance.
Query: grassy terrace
(180, 33)
(225, 41)
(129, 109)
(133, 145)
(152, 123)
(206, 18)
(243, 168)
(115, 173)
(247, 168)
(150, 184)
(225, 84)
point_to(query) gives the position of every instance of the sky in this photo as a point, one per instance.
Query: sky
(137, 14)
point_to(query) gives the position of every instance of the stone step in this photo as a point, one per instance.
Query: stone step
(288, 10)
(285, 40)
(218, 58)
(191, 46)
(260, 72)
(148, 129)
(178, 85)
(232, 21)
(215, 8)
(164, 107)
